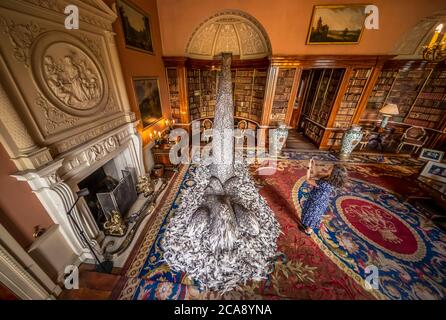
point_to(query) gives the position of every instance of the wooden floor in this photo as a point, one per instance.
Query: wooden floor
(92, 285)
(6, 294)
(297, 141)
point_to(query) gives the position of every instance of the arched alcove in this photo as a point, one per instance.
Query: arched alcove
(229, 31)
(411, 44)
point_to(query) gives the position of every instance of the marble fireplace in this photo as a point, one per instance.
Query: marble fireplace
(64, 110)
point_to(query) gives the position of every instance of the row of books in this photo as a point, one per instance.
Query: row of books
(358, 82)
(427, 110)
(438, 74)
(345, 110)
(354, 90)
(432, 96)
(351, 97)
(343, 122)
(313, 132)
(244, 73)
(362, 73)
(243, 80)
(437, 82)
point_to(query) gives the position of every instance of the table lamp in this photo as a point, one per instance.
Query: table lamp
(388, 110)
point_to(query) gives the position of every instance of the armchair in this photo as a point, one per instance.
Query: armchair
(240, 136)
(413, 136)
(207, 131)
(365, 139)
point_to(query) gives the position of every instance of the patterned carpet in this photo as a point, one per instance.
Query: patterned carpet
(369, 226)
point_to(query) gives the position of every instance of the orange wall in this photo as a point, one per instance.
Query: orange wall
(287, 22)
(136, 63)
(20, 210)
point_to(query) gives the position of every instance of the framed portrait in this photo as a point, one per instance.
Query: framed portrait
(336, 24)
(136, 27)
(435, 171)
(431, 155)
(147, 96)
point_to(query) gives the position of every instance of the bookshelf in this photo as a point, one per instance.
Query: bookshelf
(174, 93)
(321, 95)
(429, 107)
(328, 90)
(248, 92)
(243, 86)
(314, 132)
(405, 90)
(194, 93)
(335, 138)
(208, 90)
(379, 94)
(258, 93)
(356, 84)
(284, 85)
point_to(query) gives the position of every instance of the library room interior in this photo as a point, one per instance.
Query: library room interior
(222, 150)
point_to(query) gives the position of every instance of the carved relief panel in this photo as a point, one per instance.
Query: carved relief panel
(68, 74)
(65, 81)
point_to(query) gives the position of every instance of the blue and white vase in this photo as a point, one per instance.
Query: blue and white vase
(352, 137)
(278, 140)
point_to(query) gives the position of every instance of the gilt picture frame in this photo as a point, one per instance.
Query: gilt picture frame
(136, 27)
(336, 24)
(148, 99)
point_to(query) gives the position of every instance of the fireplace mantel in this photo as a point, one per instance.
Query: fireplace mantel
(58, 137)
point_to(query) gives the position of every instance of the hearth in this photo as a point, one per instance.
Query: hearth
(97, 182)
(109, 192)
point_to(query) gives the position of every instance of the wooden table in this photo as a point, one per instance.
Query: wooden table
(161, 155)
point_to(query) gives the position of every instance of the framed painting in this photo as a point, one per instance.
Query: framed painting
(136, 27)
(431, 155)
(148, 98)
(336, 24)
(435, 171)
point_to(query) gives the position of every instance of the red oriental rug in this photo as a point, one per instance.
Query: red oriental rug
(371, 245)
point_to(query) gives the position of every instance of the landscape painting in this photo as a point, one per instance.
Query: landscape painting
(148, 99)
(136, 27)
(336, 24)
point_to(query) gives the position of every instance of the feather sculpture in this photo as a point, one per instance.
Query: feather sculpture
(223, 234)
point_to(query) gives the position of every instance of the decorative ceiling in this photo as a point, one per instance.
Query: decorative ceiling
(229, 31)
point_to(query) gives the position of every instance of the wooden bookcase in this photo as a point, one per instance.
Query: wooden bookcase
(322, 92)
(194, 93)
(243, 86)
(356, 84)
(208, 90)
(174, 92)
(429, 108)
(405, 90)
(379, 94)
(282, 94)
(258, 94)
(249, 84)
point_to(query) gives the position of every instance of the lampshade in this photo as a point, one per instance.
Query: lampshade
(390, 109)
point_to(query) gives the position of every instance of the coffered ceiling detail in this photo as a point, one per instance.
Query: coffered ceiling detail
(229, 31)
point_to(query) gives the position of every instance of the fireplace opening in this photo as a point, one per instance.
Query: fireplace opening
(98, 182)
